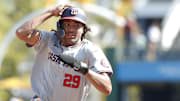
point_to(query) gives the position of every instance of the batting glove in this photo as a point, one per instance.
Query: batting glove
(77, 65)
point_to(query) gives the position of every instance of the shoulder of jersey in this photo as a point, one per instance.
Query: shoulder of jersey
(90, 45)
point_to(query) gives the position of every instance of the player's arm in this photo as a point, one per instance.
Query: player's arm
(101, 81)
(28, 33)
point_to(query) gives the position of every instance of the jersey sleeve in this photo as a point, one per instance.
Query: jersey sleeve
(43, 40)
(98, 61)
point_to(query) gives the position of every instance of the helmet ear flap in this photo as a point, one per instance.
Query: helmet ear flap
(60, 31)
(58, 25)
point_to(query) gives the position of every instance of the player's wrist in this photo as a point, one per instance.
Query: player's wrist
(82, 68)
(50, 12)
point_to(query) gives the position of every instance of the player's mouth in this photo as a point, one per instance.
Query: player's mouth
(70, 35)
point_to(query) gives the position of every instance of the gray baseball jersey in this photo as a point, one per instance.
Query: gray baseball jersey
(52, 80)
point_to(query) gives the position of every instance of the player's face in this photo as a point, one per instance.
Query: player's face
(73, 31)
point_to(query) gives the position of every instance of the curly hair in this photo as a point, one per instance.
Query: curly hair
(86, 29)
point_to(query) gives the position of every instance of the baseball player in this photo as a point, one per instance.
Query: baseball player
(66, 63)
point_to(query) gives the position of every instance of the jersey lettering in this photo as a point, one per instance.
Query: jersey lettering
(55, 58)
(71, 81)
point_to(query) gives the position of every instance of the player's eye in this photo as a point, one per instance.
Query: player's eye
(75, 26)
(66, 24)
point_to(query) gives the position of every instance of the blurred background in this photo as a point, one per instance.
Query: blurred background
(139, 37)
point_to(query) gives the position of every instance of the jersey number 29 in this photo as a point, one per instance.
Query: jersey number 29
(71, 81)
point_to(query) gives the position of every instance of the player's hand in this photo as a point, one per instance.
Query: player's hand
(56, 11)
(74, 63)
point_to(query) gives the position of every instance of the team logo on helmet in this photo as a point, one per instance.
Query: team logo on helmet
(74, 11)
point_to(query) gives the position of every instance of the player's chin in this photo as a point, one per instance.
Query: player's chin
(71, 42)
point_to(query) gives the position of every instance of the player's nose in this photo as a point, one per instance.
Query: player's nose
(72, 30)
